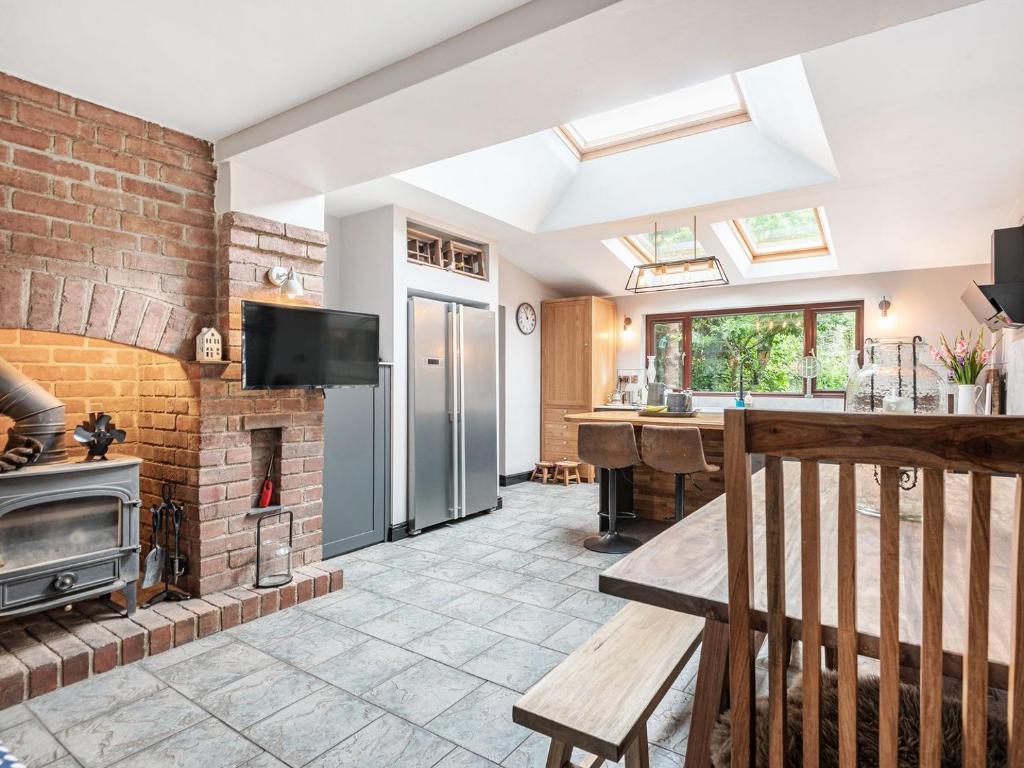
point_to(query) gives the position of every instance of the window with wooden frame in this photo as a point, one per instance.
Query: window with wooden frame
(665, 245)
(783, 235)
(702, 107)
(706, 351)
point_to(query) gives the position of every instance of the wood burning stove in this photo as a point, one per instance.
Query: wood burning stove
(68, 532)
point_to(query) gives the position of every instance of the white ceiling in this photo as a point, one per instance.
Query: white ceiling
(543, 186)
(615, 55)
(923, 123)
(213, 67)
(915, 150)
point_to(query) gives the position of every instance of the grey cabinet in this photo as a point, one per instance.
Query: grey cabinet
(357, 466)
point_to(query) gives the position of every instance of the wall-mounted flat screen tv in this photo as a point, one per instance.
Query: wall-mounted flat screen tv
(285, 347)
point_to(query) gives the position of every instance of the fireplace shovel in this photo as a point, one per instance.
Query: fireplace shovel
(155, 558)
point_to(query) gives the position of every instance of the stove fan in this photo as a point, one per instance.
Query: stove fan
(97, 434)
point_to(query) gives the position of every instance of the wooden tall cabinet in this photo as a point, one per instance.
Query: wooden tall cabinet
(577, 368)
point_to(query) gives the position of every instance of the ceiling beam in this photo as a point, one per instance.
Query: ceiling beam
(515, 26)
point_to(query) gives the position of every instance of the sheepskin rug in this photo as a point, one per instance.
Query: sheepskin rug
(867, 728)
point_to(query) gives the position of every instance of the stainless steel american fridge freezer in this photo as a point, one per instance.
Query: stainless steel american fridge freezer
(453, 412)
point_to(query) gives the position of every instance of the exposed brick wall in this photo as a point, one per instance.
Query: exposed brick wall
(106, 222)
(249, 246)
(85, 374)
(108, 248)
(150, 396)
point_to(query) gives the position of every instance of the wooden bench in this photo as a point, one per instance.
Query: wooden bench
(600, 698)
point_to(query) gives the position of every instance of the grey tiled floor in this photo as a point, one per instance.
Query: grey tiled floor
(417, 662)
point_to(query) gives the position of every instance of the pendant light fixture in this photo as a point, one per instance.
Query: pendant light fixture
(692, 272)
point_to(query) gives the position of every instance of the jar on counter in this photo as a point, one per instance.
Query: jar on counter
(895, 378)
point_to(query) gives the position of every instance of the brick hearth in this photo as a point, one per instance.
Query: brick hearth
(111, 259)
(46, 651)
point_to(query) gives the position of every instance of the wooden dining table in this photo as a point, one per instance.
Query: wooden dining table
(684, 569)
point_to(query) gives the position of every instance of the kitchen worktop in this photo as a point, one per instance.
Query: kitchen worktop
(703, 419)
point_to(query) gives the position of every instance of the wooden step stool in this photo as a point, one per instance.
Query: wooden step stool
(600, 698)
(569, 470)
(542, 468)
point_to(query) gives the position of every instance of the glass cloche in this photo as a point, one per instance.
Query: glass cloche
(895, 378)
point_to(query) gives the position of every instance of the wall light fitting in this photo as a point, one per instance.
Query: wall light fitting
(286, 279)
(277, 275)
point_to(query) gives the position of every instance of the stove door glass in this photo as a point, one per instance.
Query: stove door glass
(55, 530)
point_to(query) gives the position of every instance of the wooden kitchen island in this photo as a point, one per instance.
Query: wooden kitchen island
(650, 493)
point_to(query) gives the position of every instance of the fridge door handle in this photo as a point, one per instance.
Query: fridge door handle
(462, 416)
(454, 343)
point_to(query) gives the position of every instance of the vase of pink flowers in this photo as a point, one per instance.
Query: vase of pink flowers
(965, 359)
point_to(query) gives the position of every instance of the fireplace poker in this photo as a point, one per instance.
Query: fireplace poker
(178, 562)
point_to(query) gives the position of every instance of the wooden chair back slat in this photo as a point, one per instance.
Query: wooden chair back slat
(847, 650)
(810, 558)
(933, 445)
(740, 555)
(975, 685)
(934, 491)
(951, 443)
(1015, 697)
(889, 619)
(778, 636)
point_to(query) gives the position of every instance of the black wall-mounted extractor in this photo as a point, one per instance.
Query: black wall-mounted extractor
(1001, 303)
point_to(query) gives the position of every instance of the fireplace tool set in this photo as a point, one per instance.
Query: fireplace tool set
(166, 516)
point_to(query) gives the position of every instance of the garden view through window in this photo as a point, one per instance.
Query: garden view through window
(786, 234)
(667, 245)
(708, 351)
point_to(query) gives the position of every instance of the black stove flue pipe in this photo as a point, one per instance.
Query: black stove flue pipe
(37, 436)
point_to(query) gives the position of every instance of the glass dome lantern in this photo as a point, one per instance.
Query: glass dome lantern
(274, 555)
(894, 379)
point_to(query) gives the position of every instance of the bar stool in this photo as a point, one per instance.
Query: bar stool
(678, 451)
(611, 447)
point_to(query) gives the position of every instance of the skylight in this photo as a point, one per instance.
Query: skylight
(783, 235)
(702, 107)
(672, 245)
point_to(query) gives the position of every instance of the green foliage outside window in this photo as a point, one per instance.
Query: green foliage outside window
(785, 228)
(767, 346)
(668, 353)
(836, 340)
(672, 244)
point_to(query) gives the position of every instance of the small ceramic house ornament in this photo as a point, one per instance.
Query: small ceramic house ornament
(208, 345)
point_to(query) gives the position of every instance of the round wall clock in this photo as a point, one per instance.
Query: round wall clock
(526, 318)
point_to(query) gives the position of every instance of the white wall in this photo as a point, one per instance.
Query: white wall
(360, 269)
(249, 190)
(522, 369)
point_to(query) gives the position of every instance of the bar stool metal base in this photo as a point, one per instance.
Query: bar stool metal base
(612, 543)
